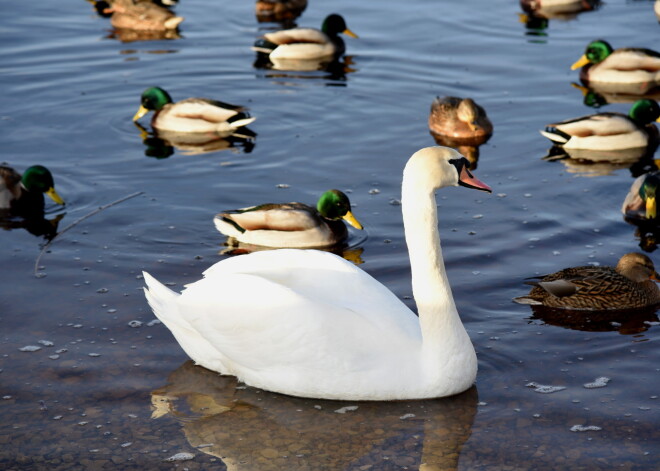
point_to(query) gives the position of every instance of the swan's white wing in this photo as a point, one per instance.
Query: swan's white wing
(320, 312)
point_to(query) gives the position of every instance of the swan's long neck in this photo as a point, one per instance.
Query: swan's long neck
(438, 317)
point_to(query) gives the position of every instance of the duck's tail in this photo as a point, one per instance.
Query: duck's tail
(555, 135)
(264, 46)
(174, 22)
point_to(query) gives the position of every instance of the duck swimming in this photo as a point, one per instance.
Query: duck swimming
(630, 285)
(306, 43)
(608, 131)
(459, 118)
(192, 115)
(291, 224)
(641, 201)
(630, 65)
(139, 15)
(22, 195)
(309, 323)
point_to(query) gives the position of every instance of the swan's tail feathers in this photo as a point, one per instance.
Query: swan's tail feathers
(555, 135)
(161, 299)
(528, 301)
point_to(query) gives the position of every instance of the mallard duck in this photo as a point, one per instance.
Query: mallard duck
(608, 131)
(656, 8)
(309, 323)
(557, 7)
(23, 195)
(459, 118)
(641, 201)
(629, 285)
(291, 224)
(306, 43)
(602, 64)
(192, 115)
(144, 15)
(279, 10)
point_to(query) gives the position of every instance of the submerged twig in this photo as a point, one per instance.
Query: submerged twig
(76, 222)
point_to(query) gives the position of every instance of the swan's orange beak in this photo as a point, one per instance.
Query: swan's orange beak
(467, 180)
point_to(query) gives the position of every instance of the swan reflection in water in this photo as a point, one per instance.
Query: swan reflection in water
(161, 144)
(251, 429)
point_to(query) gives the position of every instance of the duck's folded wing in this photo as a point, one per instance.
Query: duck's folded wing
(628, 59)
(275, 217)
(199, 108)
(603, 124)
(297, 35)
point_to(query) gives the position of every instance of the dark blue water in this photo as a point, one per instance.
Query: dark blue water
(70, 88)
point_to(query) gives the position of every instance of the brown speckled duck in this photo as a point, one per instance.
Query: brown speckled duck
(139, 15)
(459, 118)
(279, 10)
(630, 285)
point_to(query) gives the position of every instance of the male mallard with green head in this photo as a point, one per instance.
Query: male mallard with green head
(608, 131)
(640, 203)
(306, 43)
(291, 224)
(600, 63)
(630, 285)
(192, 115)
(23, 195)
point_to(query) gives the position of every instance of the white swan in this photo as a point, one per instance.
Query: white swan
(311, 324)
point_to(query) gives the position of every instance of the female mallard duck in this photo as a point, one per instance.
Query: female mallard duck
(309, 323)
(279, 10)
(291, 224)
(306, 43)
(629, 285)
(192, 115)
(608, 131)
(23, 195)
(602, 64)
(139, 15)
(459, 118)
(641, 201)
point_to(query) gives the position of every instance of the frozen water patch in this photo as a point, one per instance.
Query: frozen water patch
(585, 428)
(544, 389)
(343, 410)
(183, 456)
(600, 382)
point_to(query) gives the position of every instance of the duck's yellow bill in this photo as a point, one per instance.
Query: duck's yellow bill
(581, 62)
(651, 209)
(349, 218)
(141, 112)
(523, 18)
(54, 196)
(350, 33)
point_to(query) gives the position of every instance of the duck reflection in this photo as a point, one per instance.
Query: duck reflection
(251, 429)
(600, 94)
(537, 13)
(626, 322)
(37, 225)
(161, 144)
(131, 35)
(280, 11)
(334, 69)
(590, 163)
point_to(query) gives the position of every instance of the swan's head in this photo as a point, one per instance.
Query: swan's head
(437, 167)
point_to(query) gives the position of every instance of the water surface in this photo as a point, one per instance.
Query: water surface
(70, 88)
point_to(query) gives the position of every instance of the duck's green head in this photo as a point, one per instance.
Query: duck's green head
(596, 52)
(648, 192)
(333, 204)
(335, 24)
(153, 99)
(39, 179)
(645, 111)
